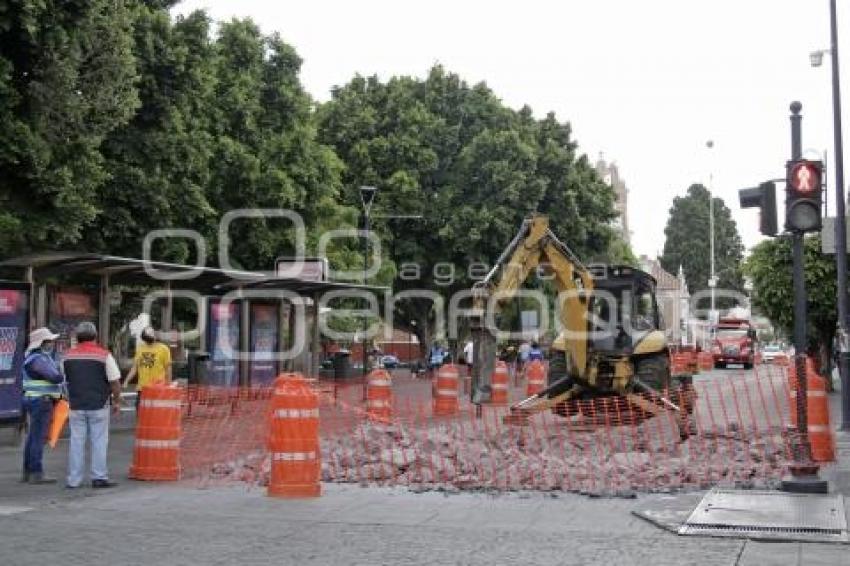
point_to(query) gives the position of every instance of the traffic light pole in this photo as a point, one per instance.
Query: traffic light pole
(804, 472)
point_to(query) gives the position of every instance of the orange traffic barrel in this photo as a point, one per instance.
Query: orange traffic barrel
(379, 395)
(156, 452)
(691, 363)
(678, 364)
(535, 373)
(446, 390)
(706, 361)
(820, 431)
(499, 384)
(293, 439)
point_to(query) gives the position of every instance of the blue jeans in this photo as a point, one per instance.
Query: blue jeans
(40, 411)
(94, 427)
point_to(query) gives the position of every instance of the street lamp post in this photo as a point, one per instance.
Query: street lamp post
(367, 197)
(410, 345)
(712, 281)
(840, 220)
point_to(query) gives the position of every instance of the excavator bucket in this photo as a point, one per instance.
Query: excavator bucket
(484, 352)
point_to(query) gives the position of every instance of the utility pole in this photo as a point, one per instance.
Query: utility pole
(712, 280)
(804, 471)
(840, 229)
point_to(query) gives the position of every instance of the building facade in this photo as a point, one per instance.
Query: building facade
(610, 174)
(673, 301)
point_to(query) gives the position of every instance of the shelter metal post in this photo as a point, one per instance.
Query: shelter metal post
(245, 343)
(104, 311)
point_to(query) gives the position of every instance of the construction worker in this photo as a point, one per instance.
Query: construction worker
(41, 385)
(151, 363)
(93, 379)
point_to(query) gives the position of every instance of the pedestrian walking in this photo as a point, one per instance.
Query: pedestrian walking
(41, 390)
(468, 356)
(436, 358)
(151, 363)
(92, 378)
(535, 354)
(522, 356)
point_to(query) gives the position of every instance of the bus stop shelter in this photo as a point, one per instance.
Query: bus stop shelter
(254, 313)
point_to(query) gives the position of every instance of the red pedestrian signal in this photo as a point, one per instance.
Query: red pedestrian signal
(803, 195)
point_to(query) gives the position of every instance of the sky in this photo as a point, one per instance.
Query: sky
(645, 83)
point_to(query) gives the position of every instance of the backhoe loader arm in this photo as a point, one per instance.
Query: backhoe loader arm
(534, 244)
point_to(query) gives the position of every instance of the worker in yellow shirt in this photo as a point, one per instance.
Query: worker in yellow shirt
(151, 364)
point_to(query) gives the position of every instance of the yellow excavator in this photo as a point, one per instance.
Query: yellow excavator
(611, 341)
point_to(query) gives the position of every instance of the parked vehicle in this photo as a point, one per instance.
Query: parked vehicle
(389, 361)
(734, 343)
(770, 353)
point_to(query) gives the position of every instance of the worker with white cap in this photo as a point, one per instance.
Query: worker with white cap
(41, 385)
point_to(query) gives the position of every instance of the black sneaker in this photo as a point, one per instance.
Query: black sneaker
(102, 484)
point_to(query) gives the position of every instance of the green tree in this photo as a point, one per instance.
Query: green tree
(688, 244)
(769, 266)
(265, 151)
(159, 161)
(471, 166)
(67, 79)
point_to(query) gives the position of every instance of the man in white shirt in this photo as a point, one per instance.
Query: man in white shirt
(468, 358)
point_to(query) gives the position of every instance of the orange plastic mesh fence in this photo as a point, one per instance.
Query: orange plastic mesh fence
(735, 437)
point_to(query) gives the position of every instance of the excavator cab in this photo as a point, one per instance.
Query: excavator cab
(624, 311)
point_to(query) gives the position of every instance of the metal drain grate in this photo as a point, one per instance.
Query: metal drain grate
(769, 515)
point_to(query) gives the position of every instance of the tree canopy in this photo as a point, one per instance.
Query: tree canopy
(67, 79)
(769, 266)
(687, 242)
(471, 166)
(119, 119)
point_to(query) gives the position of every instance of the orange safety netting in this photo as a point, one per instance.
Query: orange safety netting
(737, 437)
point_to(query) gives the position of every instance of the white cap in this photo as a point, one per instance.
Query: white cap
(38, 336)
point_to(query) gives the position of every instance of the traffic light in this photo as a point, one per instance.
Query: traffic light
(764, 198)
(803, 195)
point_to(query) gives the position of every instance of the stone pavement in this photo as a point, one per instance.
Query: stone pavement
(176, 524)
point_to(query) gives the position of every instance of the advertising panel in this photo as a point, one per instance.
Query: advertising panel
(223, 338)
(68, 308)
(264, 343)
(13, 341)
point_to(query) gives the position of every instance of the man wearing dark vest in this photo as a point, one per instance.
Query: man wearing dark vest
(93, 377)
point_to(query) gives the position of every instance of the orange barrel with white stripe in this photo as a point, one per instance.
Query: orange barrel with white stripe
(706, 361)
(820, 431)
(691, 363)
(156, 452)
(678, 363)
(535, 373)
(499, 383)
(293, 439)
(379, 395)
(446, 390)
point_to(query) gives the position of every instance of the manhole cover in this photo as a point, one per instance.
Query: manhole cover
(769, 515)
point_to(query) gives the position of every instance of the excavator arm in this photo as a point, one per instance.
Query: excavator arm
(535, 245)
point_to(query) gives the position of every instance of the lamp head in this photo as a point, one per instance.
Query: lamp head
(367, 196)
(816, 58)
